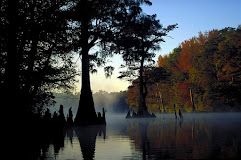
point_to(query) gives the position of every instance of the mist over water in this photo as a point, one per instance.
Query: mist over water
(113, 102)
(196, 136)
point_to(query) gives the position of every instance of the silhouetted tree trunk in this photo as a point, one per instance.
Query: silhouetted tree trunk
(142, 109)
(86, 112)
(31, 59)
(139, 48)
(100, 22)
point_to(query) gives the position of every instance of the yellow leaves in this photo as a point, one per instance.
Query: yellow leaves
(162, 61)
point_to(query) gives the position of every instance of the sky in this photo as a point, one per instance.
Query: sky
(192, 17)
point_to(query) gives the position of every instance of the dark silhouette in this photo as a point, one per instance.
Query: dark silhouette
(86, 112)
(31, 40)
(55, 116)
(175, 111)
(135, 115)
(103, 117)
(89, 34)
(180, 114)
(175, 115)
(70, 117)
(87, 138)
(47, 116)
(147, 30)
(61, 116)
(45, 130)
(70, 134)
(128, 114)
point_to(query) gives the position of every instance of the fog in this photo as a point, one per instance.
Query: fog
(114, 102)
(219, 117)
(117, 124)
(116, 110)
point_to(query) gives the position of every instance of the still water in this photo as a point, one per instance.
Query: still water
(196, 136)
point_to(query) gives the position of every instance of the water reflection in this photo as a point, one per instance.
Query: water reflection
(87, 139)
(55, 138)
(202, 136)
(36, 143)
(191, 138)
(51, 143)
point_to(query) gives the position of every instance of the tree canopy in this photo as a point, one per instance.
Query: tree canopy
(208, 66)
(139, 43)
(35, 52)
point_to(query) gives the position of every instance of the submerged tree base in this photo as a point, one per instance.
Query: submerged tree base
(145, 114)
(86, 114)
(99, 120)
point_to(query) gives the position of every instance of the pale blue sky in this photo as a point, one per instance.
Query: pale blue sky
(192, 16)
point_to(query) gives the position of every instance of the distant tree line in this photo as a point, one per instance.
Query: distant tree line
(113, 102)
(204, 71)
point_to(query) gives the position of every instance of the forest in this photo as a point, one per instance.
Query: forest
(39, 40)
(204, 71)
(49, 47)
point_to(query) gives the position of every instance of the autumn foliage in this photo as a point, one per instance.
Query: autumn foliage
(209, 65)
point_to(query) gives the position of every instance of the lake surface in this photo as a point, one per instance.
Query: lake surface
(196, 136)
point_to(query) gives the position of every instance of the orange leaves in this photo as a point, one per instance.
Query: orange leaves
(209, 65)
(133, 96)
(162, 61)
(184, 93)
(184, 61)
(190, 50)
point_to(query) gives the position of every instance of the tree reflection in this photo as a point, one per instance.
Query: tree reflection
(37, 143)
(184, 139)
(87, 139)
